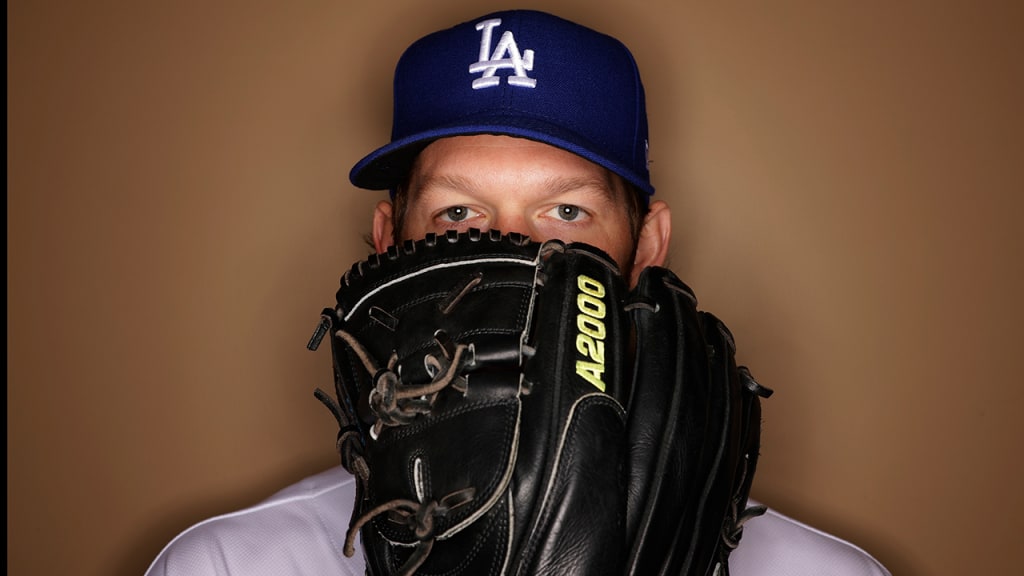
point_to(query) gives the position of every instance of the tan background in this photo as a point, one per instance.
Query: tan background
(847, 183)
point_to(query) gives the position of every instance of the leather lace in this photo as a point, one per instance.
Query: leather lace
(396, 403)
(419, 516)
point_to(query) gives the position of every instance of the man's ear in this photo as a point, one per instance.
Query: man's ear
(383, 226)
(652, 246)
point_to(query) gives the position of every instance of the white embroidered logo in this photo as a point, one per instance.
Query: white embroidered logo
(490, 62)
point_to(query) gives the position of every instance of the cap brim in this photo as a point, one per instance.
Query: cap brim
(387, 167)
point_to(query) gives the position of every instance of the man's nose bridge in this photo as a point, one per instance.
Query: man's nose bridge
(510, 221)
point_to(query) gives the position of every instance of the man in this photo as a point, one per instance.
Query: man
(522, 122)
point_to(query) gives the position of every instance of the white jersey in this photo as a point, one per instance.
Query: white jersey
(301, 531)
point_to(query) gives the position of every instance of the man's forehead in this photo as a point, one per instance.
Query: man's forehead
(449, 163)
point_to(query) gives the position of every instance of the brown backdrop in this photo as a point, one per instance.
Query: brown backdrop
(846, 178)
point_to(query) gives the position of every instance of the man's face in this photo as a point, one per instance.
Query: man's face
(517, 185)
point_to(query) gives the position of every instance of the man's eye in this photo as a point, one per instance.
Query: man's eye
(568, 212)
(456, 213)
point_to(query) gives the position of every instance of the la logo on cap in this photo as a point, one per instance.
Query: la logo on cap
(490, 62)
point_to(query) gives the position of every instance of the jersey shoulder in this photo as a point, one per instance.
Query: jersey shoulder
(775, 545)
(301, 530)
(298, 530)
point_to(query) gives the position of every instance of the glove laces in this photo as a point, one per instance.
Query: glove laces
(396, 403)
(419, 516)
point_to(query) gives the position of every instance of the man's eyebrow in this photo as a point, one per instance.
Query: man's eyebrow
(444, 181)
(440, 183)
(603, 187)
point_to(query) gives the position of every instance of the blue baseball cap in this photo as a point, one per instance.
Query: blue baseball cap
(519, 73)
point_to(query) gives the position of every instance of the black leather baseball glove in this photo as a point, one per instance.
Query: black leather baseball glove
(509, 407)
